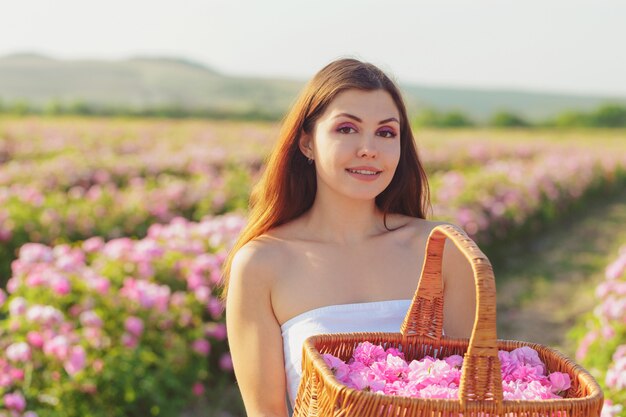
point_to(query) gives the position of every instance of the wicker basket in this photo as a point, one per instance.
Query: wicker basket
(480, 392)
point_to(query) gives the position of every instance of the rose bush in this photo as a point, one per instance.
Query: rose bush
(602, 337)
(118, 328)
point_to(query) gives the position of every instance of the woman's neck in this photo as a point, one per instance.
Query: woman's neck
(347, 222)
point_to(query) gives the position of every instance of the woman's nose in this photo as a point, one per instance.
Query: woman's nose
(367, 146)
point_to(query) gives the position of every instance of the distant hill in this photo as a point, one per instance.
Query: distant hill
(145, 82)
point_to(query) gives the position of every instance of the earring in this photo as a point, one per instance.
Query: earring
(309, 161)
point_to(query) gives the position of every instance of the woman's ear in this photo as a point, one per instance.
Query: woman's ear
(305, 145)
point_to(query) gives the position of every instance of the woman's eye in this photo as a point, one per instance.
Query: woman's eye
(345, 129)
(387, 133)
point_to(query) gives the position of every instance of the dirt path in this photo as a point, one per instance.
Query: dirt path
(543, 288)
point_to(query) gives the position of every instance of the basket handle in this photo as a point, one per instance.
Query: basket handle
(481, 375)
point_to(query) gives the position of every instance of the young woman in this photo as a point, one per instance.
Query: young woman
(336, 235)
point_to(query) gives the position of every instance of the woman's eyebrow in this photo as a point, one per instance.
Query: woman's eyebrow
(351, 116)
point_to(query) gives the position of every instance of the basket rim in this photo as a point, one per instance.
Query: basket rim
(573, 369)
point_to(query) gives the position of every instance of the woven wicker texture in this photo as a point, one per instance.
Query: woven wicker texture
(480, 392)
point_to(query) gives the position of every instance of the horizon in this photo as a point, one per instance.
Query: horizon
(208, 67)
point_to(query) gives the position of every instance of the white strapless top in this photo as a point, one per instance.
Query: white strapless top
(376, 316)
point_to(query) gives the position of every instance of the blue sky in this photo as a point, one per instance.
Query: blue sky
(548, 45)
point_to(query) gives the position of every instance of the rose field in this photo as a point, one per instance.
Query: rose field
(113, 232)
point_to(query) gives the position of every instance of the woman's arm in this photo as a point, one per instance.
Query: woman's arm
(254, 335)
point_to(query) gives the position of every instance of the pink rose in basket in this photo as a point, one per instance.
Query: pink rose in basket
(454, 360)
(394, 388)
(444, 374)
(361, 377)
(523, 374)
(436, 391)
(427, 371)
(560, 381)
(392, 369)
(528, 356)
(410, 389)
(367, 353)
(395, 352)
(339, 367)
(536, 390)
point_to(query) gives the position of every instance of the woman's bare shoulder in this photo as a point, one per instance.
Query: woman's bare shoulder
(423, 226)
(264, 255)
(429, 225)
(259, 253)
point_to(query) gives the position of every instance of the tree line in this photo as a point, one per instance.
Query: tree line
(173, 111)
(609, 115)
(605, 116)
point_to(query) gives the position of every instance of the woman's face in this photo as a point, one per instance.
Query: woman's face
(359, 130)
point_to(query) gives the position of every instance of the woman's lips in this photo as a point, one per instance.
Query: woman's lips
(364, 177)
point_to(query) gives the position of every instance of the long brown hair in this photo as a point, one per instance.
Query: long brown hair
(288, 185)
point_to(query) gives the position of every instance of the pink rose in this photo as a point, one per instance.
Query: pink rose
(17, 306)
(5, 380)
(203, 294)
(129, 341)
(119, 248)
(560, 381)
(583, 347)
(76, 361)
(454, 360)
(17, 374)
(89, 318)
(226, 362)
(536, 391)
(178, 299)
(367, 353)
(610, 410)
(215, 307)
(35, 339)
(12, 285)
(194, 281)
(395, 387)
(394, 352)
(198, 389)
(356, 380)
(616, 269)
(201, 346)
(134, 326)
(392, 369)
(93, 244)
(528, 356)
(94, 337)
(436, 391)
(58, 346)
(216, 330)
(18, 352)
(31, 253)
(70, 261)
(15, 401)
(339, 367)
(101, 285)
(526, 373)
